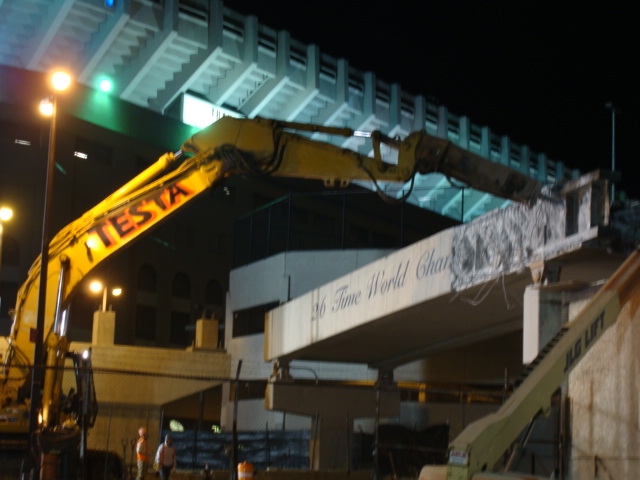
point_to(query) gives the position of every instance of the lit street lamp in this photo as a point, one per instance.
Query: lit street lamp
(96, 286)
(5, 214)
(104, 321)
(59, 81)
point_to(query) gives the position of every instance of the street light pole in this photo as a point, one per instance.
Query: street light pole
(38, 372)
(37, 376)
(611, 107)
(60, 81)
(97, 286)
(104, 299)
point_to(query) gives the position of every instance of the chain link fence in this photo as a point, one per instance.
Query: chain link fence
(217, 423)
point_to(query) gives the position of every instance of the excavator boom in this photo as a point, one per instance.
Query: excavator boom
(271, 147)
(228, 147)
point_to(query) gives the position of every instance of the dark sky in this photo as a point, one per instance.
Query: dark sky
(538, 71)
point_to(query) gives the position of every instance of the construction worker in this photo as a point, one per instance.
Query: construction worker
(166, 458)
(142, 453)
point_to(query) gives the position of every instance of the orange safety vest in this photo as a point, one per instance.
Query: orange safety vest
(141, 449)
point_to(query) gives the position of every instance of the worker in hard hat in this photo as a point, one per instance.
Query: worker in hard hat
(142, 453)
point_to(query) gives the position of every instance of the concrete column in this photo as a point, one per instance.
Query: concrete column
(485, 142)
(464, 127)
(505, 150)
(206, 334)
(525, 160)
(419, 112)
(542, 167)
(330, 443)
(332, 409)
(443, 122)
(104, 323)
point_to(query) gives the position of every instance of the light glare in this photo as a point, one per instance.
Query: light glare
(46, 107)
(105, 85)
(61, 80)
(360, 133)
(5, 214)
(95, 286)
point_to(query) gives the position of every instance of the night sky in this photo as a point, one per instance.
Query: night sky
(539, 72)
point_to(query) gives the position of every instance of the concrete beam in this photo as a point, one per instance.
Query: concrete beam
(162, 375)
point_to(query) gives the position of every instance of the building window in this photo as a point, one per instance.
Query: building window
(251, 320)
(179, 323)
(147, 279)
(145, 322)
(248, 390)
(181, 286)
(213, 294)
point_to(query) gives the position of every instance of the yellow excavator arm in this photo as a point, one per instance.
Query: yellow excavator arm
(272, 147)
(228, 147)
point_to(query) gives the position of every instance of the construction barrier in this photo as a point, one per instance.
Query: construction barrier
(245, 471)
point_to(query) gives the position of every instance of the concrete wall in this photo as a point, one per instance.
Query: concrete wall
(280, 278)
(146, 379)
(604, 394)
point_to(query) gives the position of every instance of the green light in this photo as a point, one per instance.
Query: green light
(176, 426)
(105, 85)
